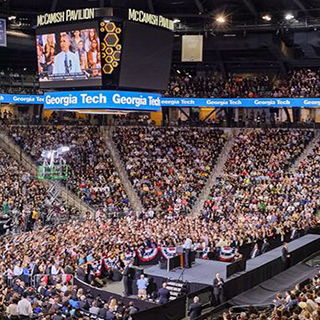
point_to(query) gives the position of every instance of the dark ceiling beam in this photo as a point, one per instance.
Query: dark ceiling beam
(54, 6)
(251, 7)
(151, 6)
(300, 5)
(101, 3)
(199, 5)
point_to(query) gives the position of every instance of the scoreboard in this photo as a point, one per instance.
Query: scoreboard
(104, 49)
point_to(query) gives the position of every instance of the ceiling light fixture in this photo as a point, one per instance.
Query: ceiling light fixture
(289, 16)
(266, 17)
(221, 19)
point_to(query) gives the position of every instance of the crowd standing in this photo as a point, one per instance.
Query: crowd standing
(256, 195)
(92, 175)
(296, 84)
(24, 201)
(168, 166)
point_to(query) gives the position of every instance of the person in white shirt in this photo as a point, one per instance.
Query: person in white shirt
(17, 270)
(187, 247)
(66, 62)
(24, 307)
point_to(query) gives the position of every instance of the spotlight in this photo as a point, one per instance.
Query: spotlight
(266, 17)
(12, 18)
(221, 19)
(176, 21)
(289, 16)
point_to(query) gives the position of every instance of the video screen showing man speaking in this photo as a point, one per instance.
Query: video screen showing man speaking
(69, 58)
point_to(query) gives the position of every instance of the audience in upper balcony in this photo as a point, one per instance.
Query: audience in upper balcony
(296, 84)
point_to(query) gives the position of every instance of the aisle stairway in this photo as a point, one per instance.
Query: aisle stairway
(9, 146)
(217, 170)
(306, 151)
(131, 193)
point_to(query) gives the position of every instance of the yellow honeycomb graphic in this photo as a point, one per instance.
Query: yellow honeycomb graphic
(107, 68)
(109, 59)
(111, 39)
(110, 46)
(116, 55)
(110, 27)
(109, 51)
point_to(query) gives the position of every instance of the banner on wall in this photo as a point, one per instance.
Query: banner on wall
(21, 99)
(119, 100)
(143, 101)
(241, 103)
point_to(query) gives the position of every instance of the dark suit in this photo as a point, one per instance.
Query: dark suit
(195, 310)
(254, 253)
(163, 295)
(265, 247)
(102, 313)
(81, 274)
(284, 258)
(110, 315)
(294, 234)
(218, 290)
(127, 281)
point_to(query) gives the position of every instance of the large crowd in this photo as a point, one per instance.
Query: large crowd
(256, 195)
(168, 166)
(296, 84)
(215, 86)
(92, 175)
(24, 201)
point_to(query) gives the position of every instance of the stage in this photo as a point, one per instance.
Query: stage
(257, 271)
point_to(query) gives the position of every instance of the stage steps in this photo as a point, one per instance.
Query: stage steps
(177, 289)
(131, 193)
(217, 171)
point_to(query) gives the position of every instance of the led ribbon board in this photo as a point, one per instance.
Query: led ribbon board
(117, 100)
(240, 103)
(21, 99)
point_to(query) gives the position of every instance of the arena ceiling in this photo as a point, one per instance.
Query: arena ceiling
(245, 39)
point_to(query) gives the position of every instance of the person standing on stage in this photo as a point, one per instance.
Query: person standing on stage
(195, 308)
(218, 284)
(127, 279)
(187, 253)
(285, 256)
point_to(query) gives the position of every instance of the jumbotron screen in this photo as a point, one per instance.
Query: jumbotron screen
(69, 56)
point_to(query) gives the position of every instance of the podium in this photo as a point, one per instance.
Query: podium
(180, 259)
